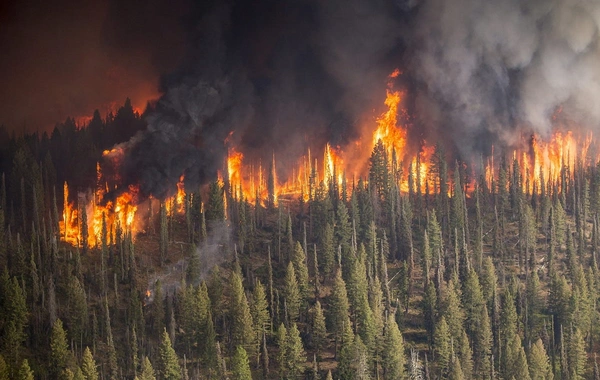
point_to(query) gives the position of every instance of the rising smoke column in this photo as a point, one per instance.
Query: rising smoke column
(487, 70)
(284, 76)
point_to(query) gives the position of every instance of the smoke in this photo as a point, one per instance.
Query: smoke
(280, 77)
(487, 71)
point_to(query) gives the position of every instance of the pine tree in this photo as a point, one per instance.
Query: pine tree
(260, 314)
(482, 345)
(393, 351)
(25, 372)
(515, 360)
(4, 370)
(88, 365)
(442, 345)
(147, 372)
(240, 366)
(169, 362)
(215, 210)
(328, 255)
(577, 356)
(164, 233)
(292, 293)
(60, 356)
(242, 324)
(319, 332)
(301, 269)
(539, 364)
(295, 357)
(456, 372)
(452, 310)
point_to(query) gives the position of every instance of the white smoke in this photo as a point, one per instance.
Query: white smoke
(492, 66)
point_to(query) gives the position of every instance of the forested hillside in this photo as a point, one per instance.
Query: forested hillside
(467, 277)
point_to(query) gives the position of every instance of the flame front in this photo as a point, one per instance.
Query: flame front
(540, 163)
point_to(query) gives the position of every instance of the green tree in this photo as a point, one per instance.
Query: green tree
(292, 293)
(328, 255)
(4, 370)
(242, 324)
(295, 357)
(215, 210)
(169, 362)
(442, 345)
(319, 331)
(539, 364)
(240, 366)
(88, 365)
(516, 362)
(60, 356)
(259, 311)
(394, 359)
(301, 270)
(147, 372)
(577, 356)
(25, 372)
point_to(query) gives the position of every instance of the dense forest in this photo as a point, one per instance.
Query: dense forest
(463, 279)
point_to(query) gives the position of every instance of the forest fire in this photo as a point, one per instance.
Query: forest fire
(541, 163)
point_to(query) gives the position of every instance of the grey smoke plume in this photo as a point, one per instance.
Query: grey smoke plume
(285, 76)
(488, 70)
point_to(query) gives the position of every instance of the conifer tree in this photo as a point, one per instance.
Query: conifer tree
(60, 356)
(147, 372)
(260, 314)
(394, 358)
(456, 372)
(301, 270)
(442, 345)
(482, 345)
(328, 260)
(25, 372)
(240, 366)
(539, 363)
(319, 331)
(292, 293)
(169, 362)
(295, 357)
(88, 365)
(242, 324)
(4, 370)
(515, 360)
(577, 356)
(452, 310)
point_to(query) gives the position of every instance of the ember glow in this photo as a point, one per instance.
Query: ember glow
(541, 164)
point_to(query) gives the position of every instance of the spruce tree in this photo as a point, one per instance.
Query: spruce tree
(240, 366)
(295, 357)
(169, 362)
(394, 359)
(25, 372)
(147, 372)
(442, 345)
(301, 270)
(539, 363)
(88, 365)
(319, 331)
(328, 255)
(60, 356)
(242, 324)
(260, 314)
(292, 293)
(577, 356)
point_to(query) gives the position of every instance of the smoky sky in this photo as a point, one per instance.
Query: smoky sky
(66, 58)
(280, 76)
(276, 77)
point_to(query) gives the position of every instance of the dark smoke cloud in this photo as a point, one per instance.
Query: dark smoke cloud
(282, 76)
(66, 58)
(287, 75)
